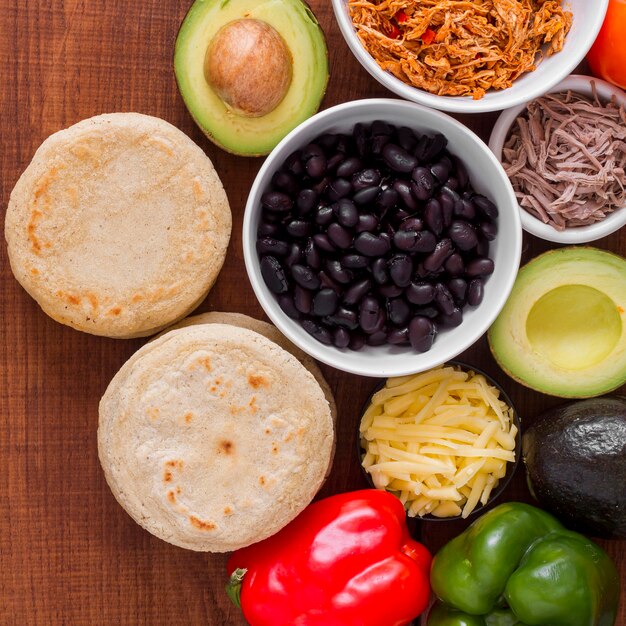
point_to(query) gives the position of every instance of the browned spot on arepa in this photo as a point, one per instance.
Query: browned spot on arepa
(200, 525)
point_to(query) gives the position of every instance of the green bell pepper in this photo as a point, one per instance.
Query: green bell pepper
(517, 565)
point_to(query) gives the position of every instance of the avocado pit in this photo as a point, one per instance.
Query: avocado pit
(249, 67)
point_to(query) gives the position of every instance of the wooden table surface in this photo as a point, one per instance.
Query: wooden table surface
(68, 553)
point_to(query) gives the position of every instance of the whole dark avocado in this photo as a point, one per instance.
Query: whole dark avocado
(575, 457)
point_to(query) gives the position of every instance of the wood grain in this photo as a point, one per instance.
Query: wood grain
(68, 553)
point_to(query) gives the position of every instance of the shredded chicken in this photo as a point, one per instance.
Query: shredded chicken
(460, 47)
(566, 158)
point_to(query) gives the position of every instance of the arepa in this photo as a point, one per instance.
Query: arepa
(213, 437)
(119, 226)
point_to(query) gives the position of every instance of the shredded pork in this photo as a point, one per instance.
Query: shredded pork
(566, 158)
(460, 47)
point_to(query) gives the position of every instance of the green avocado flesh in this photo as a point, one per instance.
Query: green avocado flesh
(305, 43)
(563, 328)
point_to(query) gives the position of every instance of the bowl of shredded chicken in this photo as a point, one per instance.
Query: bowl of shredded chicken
(565, 155)
(469, 56)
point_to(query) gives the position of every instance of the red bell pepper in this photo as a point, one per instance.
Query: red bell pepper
(346, 560)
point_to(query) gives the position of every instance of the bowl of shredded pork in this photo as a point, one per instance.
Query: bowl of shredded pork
(469, 56)
(565, 155)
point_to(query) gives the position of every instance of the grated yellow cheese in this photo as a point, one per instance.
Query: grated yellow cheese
(439, 440)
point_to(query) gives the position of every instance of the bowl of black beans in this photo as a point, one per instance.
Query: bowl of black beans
(382, 237)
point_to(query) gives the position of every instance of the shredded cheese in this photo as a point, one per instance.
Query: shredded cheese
(440, 441)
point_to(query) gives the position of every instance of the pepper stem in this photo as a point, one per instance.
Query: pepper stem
(233, 588)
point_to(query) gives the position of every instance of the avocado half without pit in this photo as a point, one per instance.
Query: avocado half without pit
(563, 328)
(250, 71)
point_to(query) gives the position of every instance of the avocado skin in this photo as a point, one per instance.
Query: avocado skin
(575, 457)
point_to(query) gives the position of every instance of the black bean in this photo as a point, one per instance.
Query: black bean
(444, 299)
(306, 201)
(366, 223)
(421, 147)
(369, 177)
(341, 337)
(357, 291)
(338, 188)
(303, 299)
(387, 199)
(422, 333)
(398, 159)
(327, 281)
(276, 201)
(461, 172)
(334, 162)
(314, 161)
(390, 290)
(286, 181)
(435, 259)
(380, 271)
(305, 276)
(479, 267)
(452, 195)
(378, 143)
(406, 138)
(349, 166)
(343, 317)
(453, 184)
(463, 235)
(458, 289)
(339, 236)
(317, 331)
(354, 261)
(398, 311)
(475, 292)
(400, 270)
(285, 302)
(433, 216)
(465, 209)
(328, 141)
(275, 247)
(489, 230)
(325, 302)
(366, 196)
(453, 319)
(381, 128)
(415, 241)
(377, 338)
(324, 215)
(294, 256)
(267, 229)
(431, 312)
(441, 169)
(369, 314)
(437, 146)
(454, 265)
(360, 139)
(371, 245)
(403, 188)
(321, 186)
(485, 206)
(273, 274)
(299, 228)
(347, 213)
(338, 273)
(420, 293)
(412, 223)
(294, 164)
(482, 247)
(344, 144)
(312, 255)
(357, 341)
(423, 183)
(398, 336)
(323, 242)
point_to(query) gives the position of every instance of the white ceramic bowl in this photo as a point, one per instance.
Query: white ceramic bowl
(588, 18)
(487, 177)
(579, 234)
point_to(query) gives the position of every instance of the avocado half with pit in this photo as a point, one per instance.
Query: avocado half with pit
(563, 329)
(250, 71)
